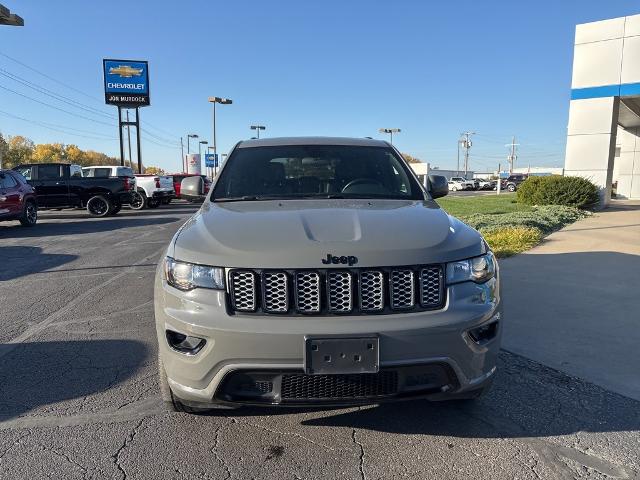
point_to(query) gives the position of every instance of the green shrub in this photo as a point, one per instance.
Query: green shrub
(508, 241)
(546, 219)
(556, 190)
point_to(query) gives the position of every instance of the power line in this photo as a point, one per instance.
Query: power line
(53, 95)
(48, 77)
(56, 108)
(78, 104)
(60, 128)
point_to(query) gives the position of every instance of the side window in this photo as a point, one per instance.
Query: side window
(87, 172)
(25, 172)
(7, 181)
(75, 171)
(49, 172)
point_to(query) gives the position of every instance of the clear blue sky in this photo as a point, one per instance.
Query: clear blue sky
(345, 68)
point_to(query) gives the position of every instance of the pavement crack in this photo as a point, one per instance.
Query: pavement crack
(67, 458)
(125, 444)
(363, 475)
(219, 458)
(277, 432)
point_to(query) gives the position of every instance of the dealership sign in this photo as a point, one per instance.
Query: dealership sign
(126, 83)
(211, 160)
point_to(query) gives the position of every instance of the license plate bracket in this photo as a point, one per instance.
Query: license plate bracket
(341, 355)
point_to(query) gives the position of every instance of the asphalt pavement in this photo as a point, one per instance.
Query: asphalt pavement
(79, 395)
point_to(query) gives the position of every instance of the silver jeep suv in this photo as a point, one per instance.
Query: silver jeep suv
(320, 271)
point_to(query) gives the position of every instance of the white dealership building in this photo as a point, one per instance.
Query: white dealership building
(603, 137)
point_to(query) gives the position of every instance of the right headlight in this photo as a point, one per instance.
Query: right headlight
(476, 269)
(187, 276)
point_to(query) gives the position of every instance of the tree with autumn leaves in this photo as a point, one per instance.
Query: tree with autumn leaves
(15, 150)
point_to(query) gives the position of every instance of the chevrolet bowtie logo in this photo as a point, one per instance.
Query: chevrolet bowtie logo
(125, 71)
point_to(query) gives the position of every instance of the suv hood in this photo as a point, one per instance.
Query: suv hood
(301, 233)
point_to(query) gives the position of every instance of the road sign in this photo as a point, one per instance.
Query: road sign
(126, 83)
(211, 160)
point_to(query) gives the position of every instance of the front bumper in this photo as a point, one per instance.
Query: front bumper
(434, 346)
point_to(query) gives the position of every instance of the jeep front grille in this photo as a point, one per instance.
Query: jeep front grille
(337, 291)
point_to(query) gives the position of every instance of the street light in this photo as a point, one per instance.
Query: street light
(223, 101)
(257, 128)
(390, 131)
(202, 142)
(8, 18)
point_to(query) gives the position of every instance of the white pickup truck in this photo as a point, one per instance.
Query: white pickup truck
(461, 183)
(155, 189)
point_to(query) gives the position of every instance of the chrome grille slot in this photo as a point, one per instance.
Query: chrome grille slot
(308, 292)
(243, 290)
(431, 286)
(339, 287)
(371, 291)
(402, 289)
(275, 293)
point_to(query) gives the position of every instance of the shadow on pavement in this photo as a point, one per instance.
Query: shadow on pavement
(38, 374)
(18, 261)
(527, 400)
(81, 226)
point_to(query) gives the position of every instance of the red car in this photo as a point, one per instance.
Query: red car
(178, 177)
(17, 199)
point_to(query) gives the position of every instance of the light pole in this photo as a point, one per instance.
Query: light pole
(223, 101)
(390, 131)
(257, 128)
(8, 18)
(189, 137)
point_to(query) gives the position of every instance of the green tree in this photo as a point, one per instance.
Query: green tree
(4, 149)
(20, 151)
(411, 158)
(153, 170)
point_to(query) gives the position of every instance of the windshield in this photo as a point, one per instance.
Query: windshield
(315, 171)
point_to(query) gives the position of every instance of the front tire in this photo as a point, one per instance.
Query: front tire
(511, 188)
(99, 206)
(29, 215)
(138, 201)
(115, 209)
(454, 189)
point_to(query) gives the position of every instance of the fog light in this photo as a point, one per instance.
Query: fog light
(484, 333)
(184, 343)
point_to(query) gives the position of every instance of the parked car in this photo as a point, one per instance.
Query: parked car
(462, 183)
(513, 182)
(17, 199)
(287, 288)
(61, 185)
(111, 171)
(177, 182)
(487, 184)
(154, 189)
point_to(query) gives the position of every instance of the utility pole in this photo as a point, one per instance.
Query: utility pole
(513, 154)
(466, 145)
(499, 184)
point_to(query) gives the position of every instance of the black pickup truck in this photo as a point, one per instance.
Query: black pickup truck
(61, 185)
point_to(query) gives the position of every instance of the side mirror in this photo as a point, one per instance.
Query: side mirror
(192, 188)
(438, 186)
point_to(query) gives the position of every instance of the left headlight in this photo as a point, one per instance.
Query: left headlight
(187, 276)
(476, 269)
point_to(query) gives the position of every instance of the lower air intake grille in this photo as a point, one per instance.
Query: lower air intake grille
(336, 387)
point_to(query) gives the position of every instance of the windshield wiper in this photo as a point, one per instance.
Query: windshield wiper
(245, 198)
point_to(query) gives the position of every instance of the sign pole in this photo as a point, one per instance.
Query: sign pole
(120, 135)
(138, 136)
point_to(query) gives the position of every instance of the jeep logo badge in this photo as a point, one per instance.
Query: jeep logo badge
(343, 260)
